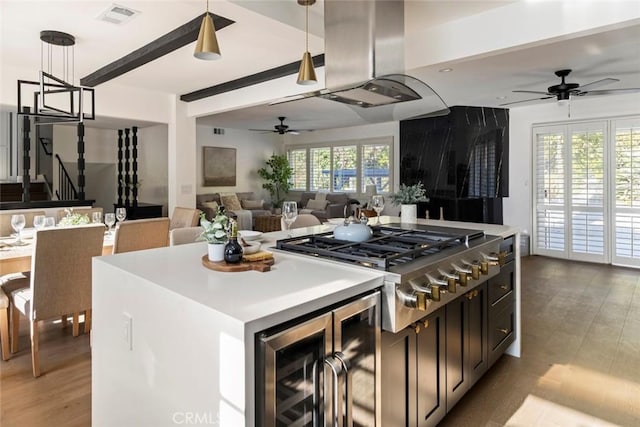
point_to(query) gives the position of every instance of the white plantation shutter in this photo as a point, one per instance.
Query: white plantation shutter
(626, 215)
(298, 163)
(587, 192)
(319, 169)
(549, 237)
(375, 168)
(345, 172)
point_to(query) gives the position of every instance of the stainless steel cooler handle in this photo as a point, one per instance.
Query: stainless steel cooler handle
(348, 397)
(336, 369)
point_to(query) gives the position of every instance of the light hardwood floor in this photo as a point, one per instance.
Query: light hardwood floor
(580, 363)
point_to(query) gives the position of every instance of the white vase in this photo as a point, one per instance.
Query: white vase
(408, 213)
(216, 251)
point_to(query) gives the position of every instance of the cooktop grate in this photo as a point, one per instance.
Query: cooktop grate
(388, 247)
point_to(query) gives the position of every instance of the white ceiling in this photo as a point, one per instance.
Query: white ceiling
(269, 33)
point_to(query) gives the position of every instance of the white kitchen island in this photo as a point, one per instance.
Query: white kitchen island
(173, 343)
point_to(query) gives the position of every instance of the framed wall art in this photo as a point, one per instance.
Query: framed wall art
(219, 166)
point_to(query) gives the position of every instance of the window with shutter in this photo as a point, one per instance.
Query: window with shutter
(298, 163)
(626, 215)
(587, 191)
(375, 167)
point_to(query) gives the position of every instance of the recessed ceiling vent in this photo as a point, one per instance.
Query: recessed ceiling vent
(118, 14)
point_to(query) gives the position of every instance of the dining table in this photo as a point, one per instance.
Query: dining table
(15, 257)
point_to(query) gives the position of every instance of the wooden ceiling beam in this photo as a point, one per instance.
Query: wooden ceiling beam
(263, 76)
(181, 36)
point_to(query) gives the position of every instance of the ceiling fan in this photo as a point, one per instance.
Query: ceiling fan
(282, 128)
(564, 90)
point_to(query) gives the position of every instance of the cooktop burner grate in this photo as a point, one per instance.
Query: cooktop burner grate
(390, 246)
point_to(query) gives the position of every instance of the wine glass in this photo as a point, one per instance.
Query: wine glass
(121, 214)
(49, 222)
(18, 223)
(109, 219)
(289, 213)
(96, 217)
(38, 222)
(377, 203)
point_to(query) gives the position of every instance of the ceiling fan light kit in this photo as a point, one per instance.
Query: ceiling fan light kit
(306, 74)
(207, 44)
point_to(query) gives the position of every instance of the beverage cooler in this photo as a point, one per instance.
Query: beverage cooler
(322, 371)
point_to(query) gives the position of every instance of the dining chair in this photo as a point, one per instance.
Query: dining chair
(5, 221)
(139, 234)
(8, 283)
(60, 281)
(302, 220)
(184, 217)
(181, 236)
(82, 210)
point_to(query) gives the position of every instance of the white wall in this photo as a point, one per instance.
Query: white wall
(253, 149)
(153, 166)
(518, 206)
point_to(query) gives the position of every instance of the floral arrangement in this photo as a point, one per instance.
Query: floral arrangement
(74, 218)
(215, 231)
(409, 195)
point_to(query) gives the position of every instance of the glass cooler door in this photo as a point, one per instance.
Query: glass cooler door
(294, 374)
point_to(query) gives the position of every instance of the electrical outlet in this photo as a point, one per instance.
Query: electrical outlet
(127, 330)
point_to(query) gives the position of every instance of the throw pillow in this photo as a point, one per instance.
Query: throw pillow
(211, 205)
(316, 205)
(252, 204)
(230, 202)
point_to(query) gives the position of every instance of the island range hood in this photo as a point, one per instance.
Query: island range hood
(364, 63)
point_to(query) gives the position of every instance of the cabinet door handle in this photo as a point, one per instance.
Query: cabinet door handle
(336, 370)
(504, 331)
(504, 287)
(348, 390)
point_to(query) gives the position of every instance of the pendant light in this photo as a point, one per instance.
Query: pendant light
(207, 45)
(306, 75)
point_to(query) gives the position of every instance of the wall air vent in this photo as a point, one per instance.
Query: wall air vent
(118, 14)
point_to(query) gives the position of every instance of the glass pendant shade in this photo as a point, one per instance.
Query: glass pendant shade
(306, 74)
(207, 45)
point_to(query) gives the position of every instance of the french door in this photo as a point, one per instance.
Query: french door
(587, 191)
(625, 190)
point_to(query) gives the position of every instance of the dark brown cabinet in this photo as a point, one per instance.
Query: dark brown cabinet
(501, 318)
(414, 374)
(466, 330)
(428, 367)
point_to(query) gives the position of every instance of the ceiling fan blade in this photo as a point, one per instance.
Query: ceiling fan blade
(532, 91)
(526, 100)
(609, 91)
(597, 83)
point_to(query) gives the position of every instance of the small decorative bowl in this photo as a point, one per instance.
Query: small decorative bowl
(251, 247)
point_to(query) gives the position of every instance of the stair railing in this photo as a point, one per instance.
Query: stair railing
(66, 190)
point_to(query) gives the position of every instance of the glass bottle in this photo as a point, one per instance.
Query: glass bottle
(233, 249)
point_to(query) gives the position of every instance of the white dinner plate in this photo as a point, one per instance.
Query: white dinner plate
(335, 221)
(249, 234)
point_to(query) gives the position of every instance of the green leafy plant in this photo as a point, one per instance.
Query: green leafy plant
(74, 218)
(409, 195)
(214, 231)
(277, 173)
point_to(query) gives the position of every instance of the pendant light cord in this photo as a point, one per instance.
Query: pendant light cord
(306, 32)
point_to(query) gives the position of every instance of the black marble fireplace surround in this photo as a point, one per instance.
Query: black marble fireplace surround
(463, 161)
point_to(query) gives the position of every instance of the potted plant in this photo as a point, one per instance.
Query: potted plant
(277, 173)
(407, 197)
(215, 234)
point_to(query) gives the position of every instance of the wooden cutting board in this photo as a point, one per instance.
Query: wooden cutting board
(262, 266)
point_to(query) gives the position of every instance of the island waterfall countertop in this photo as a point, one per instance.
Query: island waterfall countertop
(173, 341)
